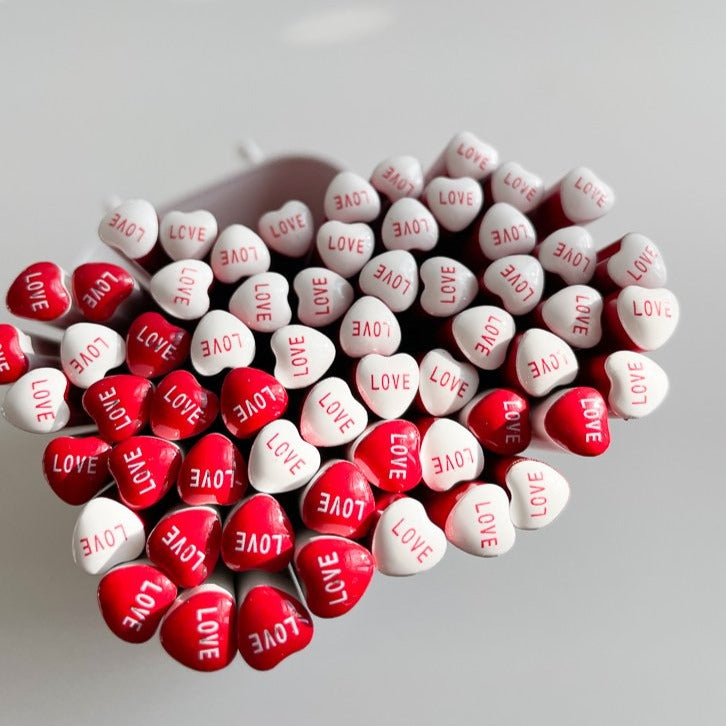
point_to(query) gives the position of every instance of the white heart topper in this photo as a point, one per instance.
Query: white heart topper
(445, 384)
(261, 303)
(454, 202)
(483, 334)
(449, 454)
(638, 385)
(391, 277)
(369, 326)
(544, 361)
(467, 155)
(387, 384)
(239, 252)
(649, 317)
(637, 262)
(302, 355)
(513, 184)
(330, 414)
(288, 230)
(518, 280)
(584, 196)
(504, 230)
(88, 351)
(574, 313)
(569, 253)
(408, 225)
(350, 198)
(132, 228)
(221, 341)
(323, 296)
(539, 493)
(448, 286)
(188, 235)
(182, 288)
(36, 402)
(345, 248)
(398, 177)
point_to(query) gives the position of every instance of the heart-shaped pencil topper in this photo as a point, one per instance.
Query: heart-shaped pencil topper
(570, 253)
(405, 541)
(199, 629)
(467, 155)
(584, 196)
(449, 454)
(75, 468)
(483, 334)
(331, 416)
(119, 405)
(37, 401)
(499, 418)
(213, 472)
(250, 399)
(100, 288)
(455, 203)
(221, 341)
(88, 351)
(280, 460)
(513, 184)
(338, 500)
(15, 347)
(445, 384)
(302, 355)
(391, 277)
(637, 262)
(369, 326)
(238, 252)
(638, 385)
(388, 455)
(408, 225)
(182, 288)
(133, 598)
(398, 177)
(648, 317)
(272, 624)
(154, 346)
(542, 361)
(261, 303)
(350, 198)
(39, 292)
(106, 534)
(132, 228)
(257, 535)
(387, 384)
(574, 313)
(517, 280)
(144, 468)
(334, 574)
(448, 286)
(539, 493)
(575, 419)
(182, 407)
(288, 230)
(345, 247)
(323, 296)
(188, 235)
(504, 230)
(185, 543)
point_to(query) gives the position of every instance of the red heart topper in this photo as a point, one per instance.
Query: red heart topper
(99, 288)
(155, 347)
(499, 419)
(13, 360)
(39, 292)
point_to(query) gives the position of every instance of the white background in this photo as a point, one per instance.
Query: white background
(614, 614)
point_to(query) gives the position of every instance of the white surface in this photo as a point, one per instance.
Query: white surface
(614, 614)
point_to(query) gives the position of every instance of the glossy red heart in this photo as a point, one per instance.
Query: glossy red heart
(119, 405)
(213, 472)
(499, 418)
(181, 407)
(75, 468)
(154, 346)
(99, 288)
(145, 469)
(251, 399)
(133, 598)
(13, 360)
(39, 292)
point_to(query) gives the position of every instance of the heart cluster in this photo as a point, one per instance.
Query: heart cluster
(254, 421)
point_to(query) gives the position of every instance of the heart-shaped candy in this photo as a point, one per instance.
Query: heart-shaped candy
(182, 288)
(454, 203)
(338, 500)
(75, 468)
(570, 253)
(637, 384)
(119, 405)
(106, 533)
(398, 177)
(133, 598)
(483, 334)
(345, 248)
(574, 314)
(499, 418)
(302, 355)
(638, 261)
(350, 198)
(154, 346)
(39, 292)
(334, 573)
(323, 296)
(181, 407)
(369, 326)
(387, 384)
(513, 184)
(288, 230)
(517, 280)
(88, 351)
(504, 230)
(145, 469)
(257, 534)
(37, 401)
(238, 252)
(221, 341)
(280, 460)
(641, 318)
(388, 455)
(261, 303)
(15, 347)
(405, 541)
(445, 384)
(541, 361)
(131, 228)
(188, 235)
(467, 155)
(408, 225)
(213, 472)
(185, 543)
(448, 286)
(100, 288)
(250, 399)
(584, 196)
(391, 277)
(330, 415)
